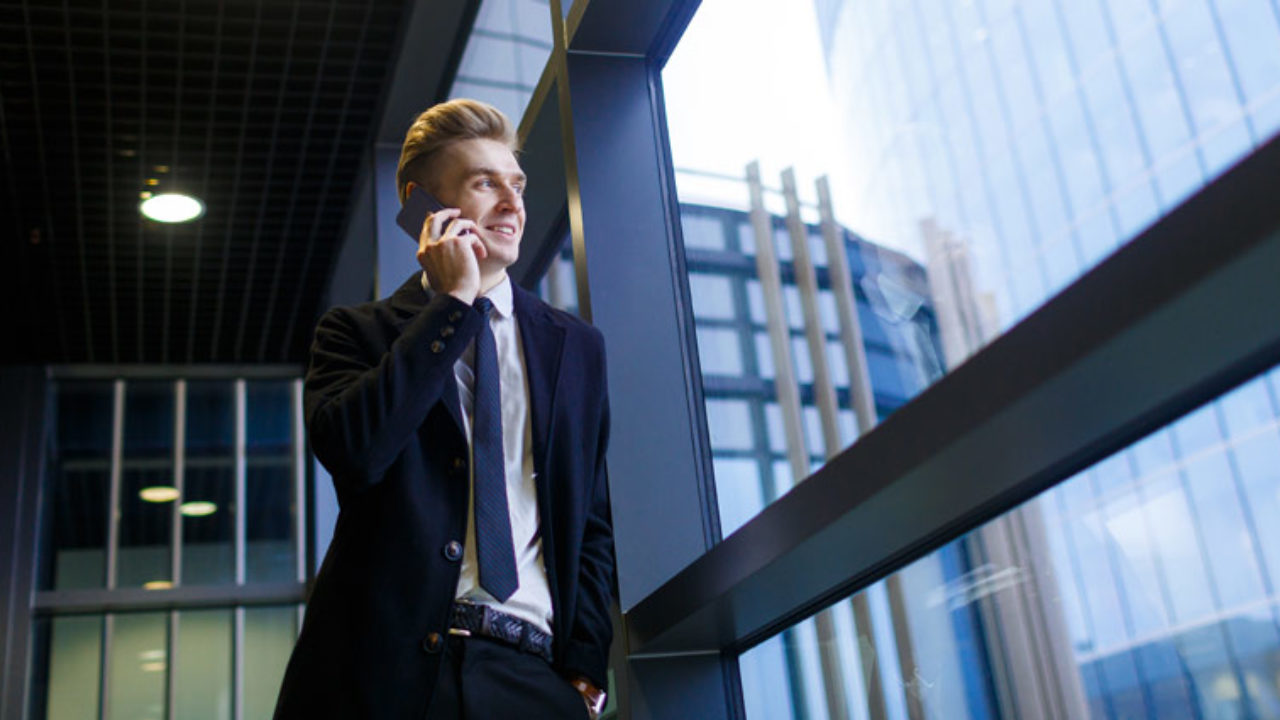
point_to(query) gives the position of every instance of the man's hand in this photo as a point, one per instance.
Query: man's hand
(450, 253)
(593, 696)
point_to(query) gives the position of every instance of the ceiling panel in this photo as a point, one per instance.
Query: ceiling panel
(261, 108)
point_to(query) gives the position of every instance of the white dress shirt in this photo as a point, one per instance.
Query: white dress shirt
(532, 600)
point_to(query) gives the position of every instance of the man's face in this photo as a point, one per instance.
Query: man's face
(481, 178)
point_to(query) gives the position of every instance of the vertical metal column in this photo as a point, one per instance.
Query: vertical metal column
(175, 571)
(864, 409)
(113, 540)
(299, 492)
(825, 397)
(237, 633)
(786, 388)
(784, 374)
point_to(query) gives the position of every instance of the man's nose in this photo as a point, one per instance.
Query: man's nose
(511, 198)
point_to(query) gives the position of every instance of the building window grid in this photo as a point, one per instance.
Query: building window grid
(53, 604)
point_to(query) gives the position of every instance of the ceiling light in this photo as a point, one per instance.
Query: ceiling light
(151, 655)
(159, 494)
(158, 585)
(172, 208)
(152, 667)
(198, 508)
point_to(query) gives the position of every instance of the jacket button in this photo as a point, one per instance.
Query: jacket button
(432, 643)
(436, 346)
(459, 465)
(453, 551)
(446, 331)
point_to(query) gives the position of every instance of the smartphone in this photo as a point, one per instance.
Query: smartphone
(417, 207)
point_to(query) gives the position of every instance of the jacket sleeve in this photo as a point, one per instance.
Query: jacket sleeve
(365, 401)
(587, 651)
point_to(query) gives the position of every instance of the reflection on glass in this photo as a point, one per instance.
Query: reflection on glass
(269, 634)
(80, 468)
(209, 477)
(146, 523)
(202, 669)
(269, 485)
(139, 666)
(1141, 587)
(980, 157)
(506, 51)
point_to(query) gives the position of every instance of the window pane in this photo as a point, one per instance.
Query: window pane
(75, 528)
(269, 634)
(202, 668)
(980, 157)
(269, 485)
(209, 477)
(139, 666)
(147, 490)
(506, 51)
(1141, 587)
(68, 656)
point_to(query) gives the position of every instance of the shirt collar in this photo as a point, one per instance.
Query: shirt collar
(500, 295)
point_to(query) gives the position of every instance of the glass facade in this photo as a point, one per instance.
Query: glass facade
(161, 484)
(505, 54)
(996, 151)
(1156, 567)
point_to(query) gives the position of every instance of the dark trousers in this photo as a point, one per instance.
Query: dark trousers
(483, 679)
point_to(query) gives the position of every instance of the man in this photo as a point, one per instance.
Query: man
(464, 423)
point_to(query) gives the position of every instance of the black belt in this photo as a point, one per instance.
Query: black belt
(484, 621)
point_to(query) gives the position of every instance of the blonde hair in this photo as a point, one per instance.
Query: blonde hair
(439, 126)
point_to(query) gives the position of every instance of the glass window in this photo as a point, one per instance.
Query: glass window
(1146, 580)
(80, 472)
(148, 486)
(208, 538)
(270, 549)
(177, 449)
(506, 51)
(980, 157)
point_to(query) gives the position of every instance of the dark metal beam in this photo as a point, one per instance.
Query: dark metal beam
(21, 469)
(1175, 318)
(65, 602)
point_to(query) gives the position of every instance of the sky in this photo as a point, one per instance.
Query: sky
(748, 82)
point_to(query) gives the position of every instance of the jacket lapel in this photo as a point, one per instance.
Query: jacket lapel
(406, 303)
(543, 342)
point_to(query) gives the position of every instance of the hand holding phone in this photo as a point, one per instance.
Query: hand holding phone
(450, 268)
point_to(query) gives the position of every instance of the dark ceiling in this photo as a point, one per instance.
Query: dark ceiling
(262, 108)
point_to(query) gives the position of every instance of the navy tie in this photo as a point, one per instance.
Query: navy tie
(494, 551)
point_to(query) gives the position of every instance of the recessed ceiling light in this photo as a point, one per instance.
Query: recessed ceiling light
(158, 585)
(152, 667)
(159, 494)
(172, 208)
(198, 508)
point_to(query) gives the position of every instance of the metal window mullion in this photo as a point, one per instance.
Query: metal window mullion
(829, 653)
(239, 477)
(237, 636)
(117, 463)
(237, 664)
(113, 542)
(299, 484)
(175, 575)
(179, 477)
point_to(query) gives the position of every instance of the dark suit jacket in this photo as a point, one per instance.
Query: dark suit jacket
(383, 416)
